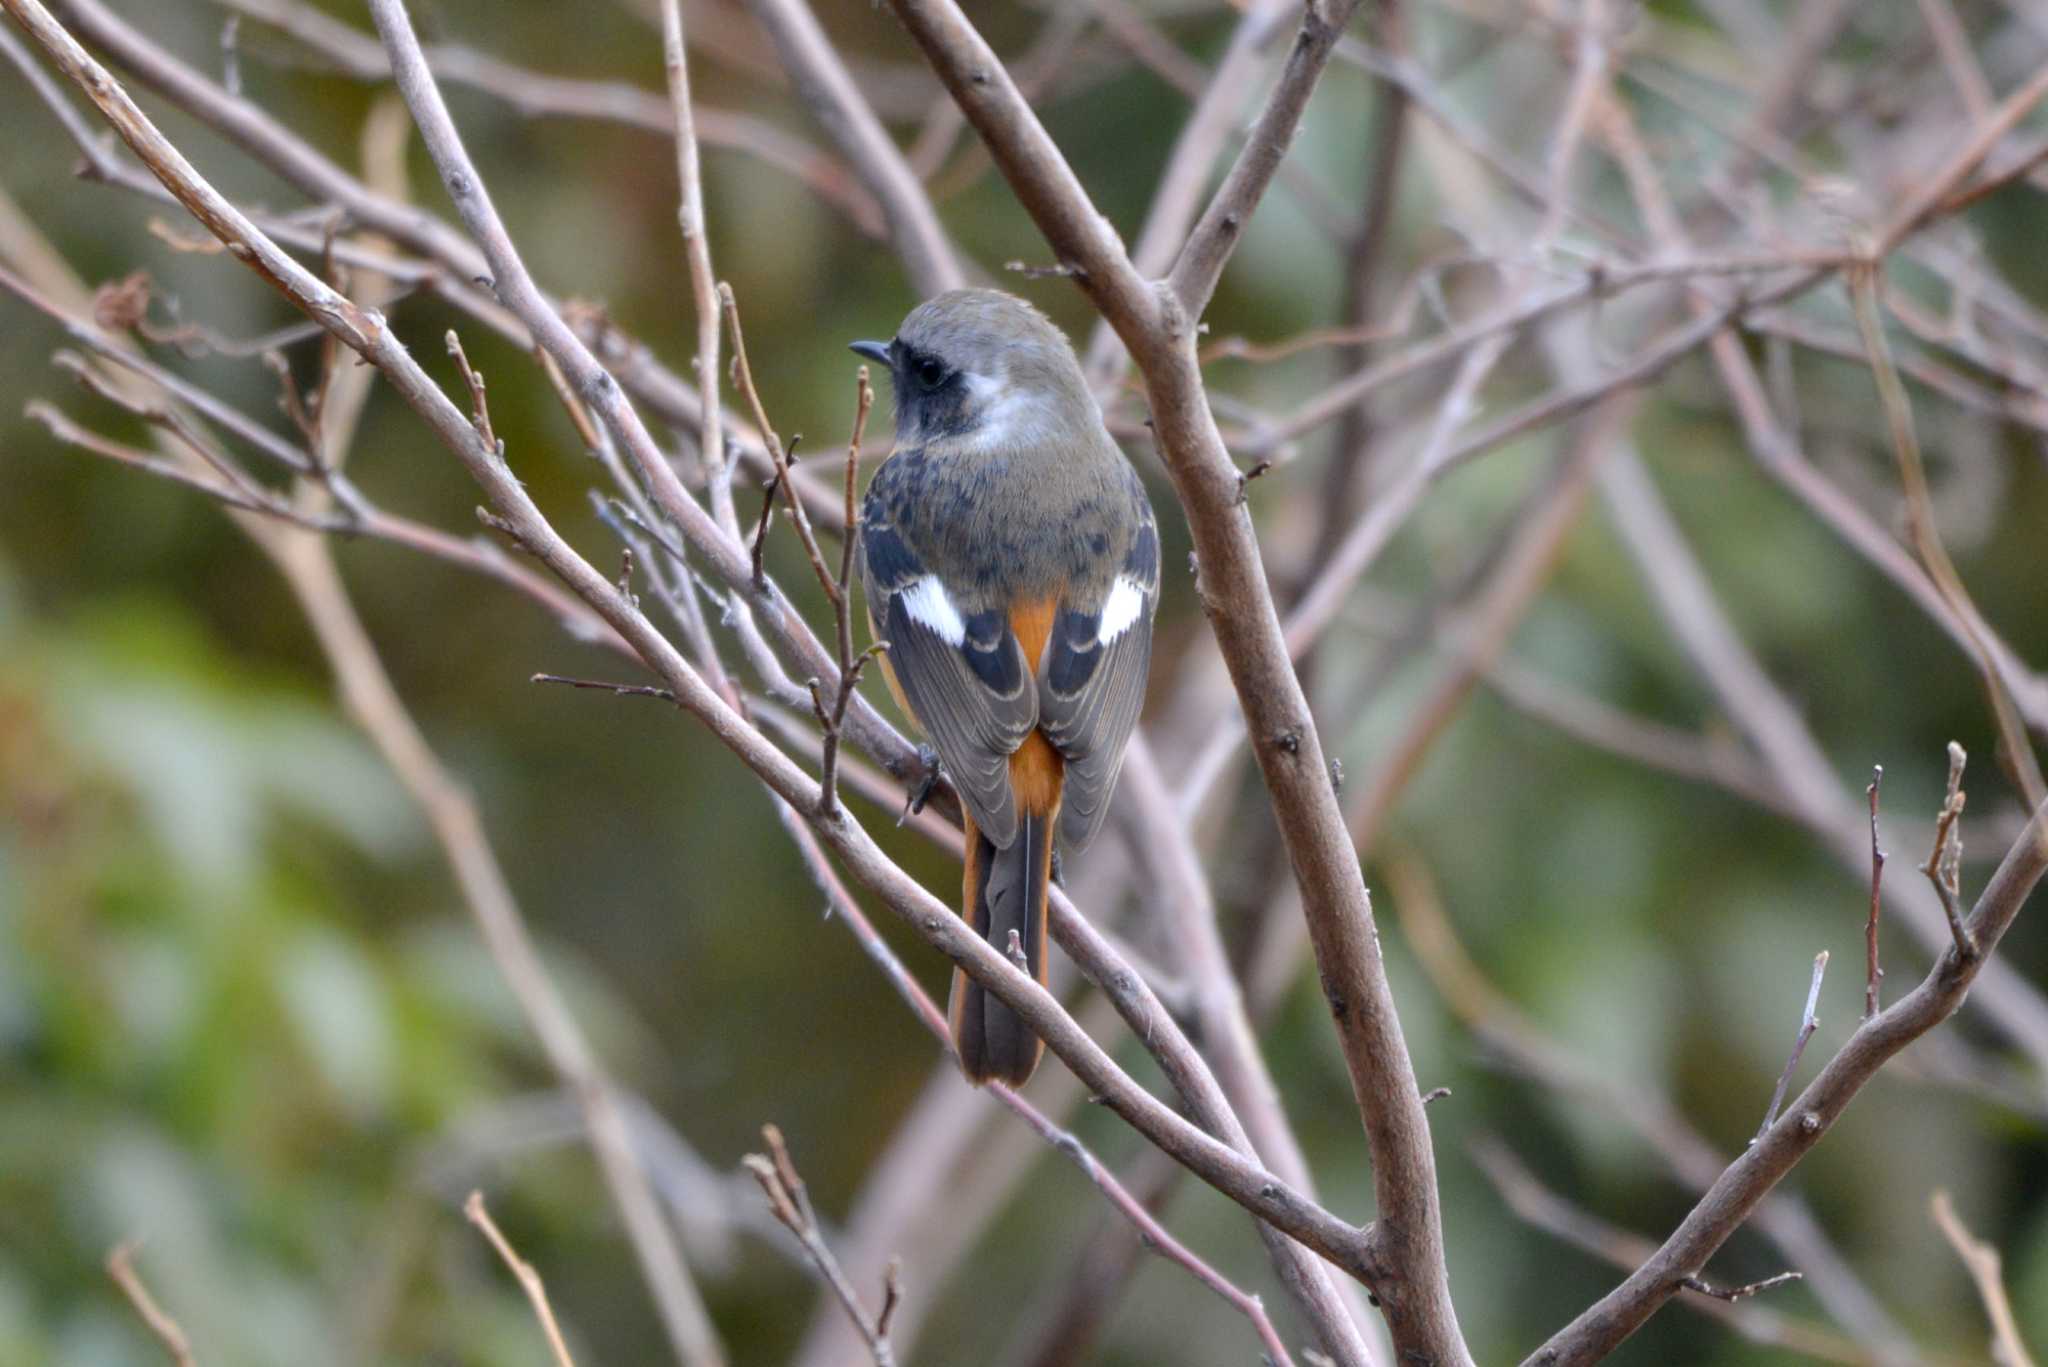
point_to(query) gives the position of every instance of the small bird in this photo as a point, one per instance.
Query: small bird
(1011, 561)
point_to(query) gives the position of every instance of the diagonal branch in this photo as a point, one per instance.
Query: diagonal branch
(1750, 1178)
(1221, 227)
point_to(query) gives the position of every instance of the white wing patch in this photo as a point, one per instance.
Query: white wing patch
(1126, 600)
(929, 605)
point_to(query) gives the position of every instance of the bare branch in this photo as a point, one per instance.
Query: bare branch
(1872, 974)
(1982, 1261)
(1637, 1103)
(121, 1267)
(1738, 1293)
(529, 1280)
(1194, 275)
(790, 1201)
(703, 282)
(1944, 866)
(1808, 1023)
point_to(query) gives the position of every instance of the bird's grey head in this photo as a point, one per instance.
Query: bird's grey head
(983, 371)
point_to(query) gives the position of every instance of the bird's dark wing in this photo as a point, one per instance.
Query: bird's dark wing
(960, 670)
(1093, 682)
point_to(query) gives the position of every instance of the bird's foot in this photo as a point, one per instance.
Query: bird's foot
(926, 786)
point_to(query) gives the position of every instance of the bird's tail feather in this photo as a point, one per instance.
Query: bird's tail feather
(1004, 891)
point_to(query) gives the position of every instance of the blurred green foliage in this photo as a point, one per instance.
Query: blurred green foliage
(244, 1018)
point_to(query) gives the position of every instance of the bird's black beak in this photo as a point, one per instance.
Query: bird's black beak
(878, 352)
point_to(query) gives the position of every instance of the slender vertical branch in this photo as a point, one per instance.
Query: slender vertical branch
(1944, 866)
(782, 456)
(832, 719)
(697, 252)
(1872, 974)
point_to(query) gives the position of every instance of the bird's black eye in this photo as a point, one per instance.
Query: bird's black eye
(931, 372)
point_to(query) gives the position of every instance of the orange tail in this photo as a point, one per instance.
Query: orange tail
(1005, 891)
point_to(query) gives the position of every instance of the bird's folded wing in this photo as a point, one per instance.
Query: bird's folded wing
(1093, 684)
(961, 671)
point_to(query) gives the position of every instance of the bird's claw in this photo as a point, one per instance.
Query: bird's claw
(926, 786)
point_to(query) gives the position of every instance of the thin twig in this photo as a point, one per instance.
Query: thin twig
(1944, 866)
(622, 690)
(1873, 974)
(833, 720)
(121, 1267)
(1736, 1293)
(529, 1280)
(1808, 1023)
(783, 457)
(790, 1202)
(479, 406)
(697, 251)
(1982, 1261)
(70, 433)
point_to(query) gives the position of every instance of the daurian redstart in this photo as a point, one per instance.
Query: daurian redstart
(1011, 562)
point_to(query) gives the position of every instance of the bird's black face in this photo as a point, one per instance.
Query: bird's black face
(932, 395)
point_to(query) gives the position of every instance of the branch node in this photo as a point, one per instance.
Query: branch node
(500, 526)
(1245, 477)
